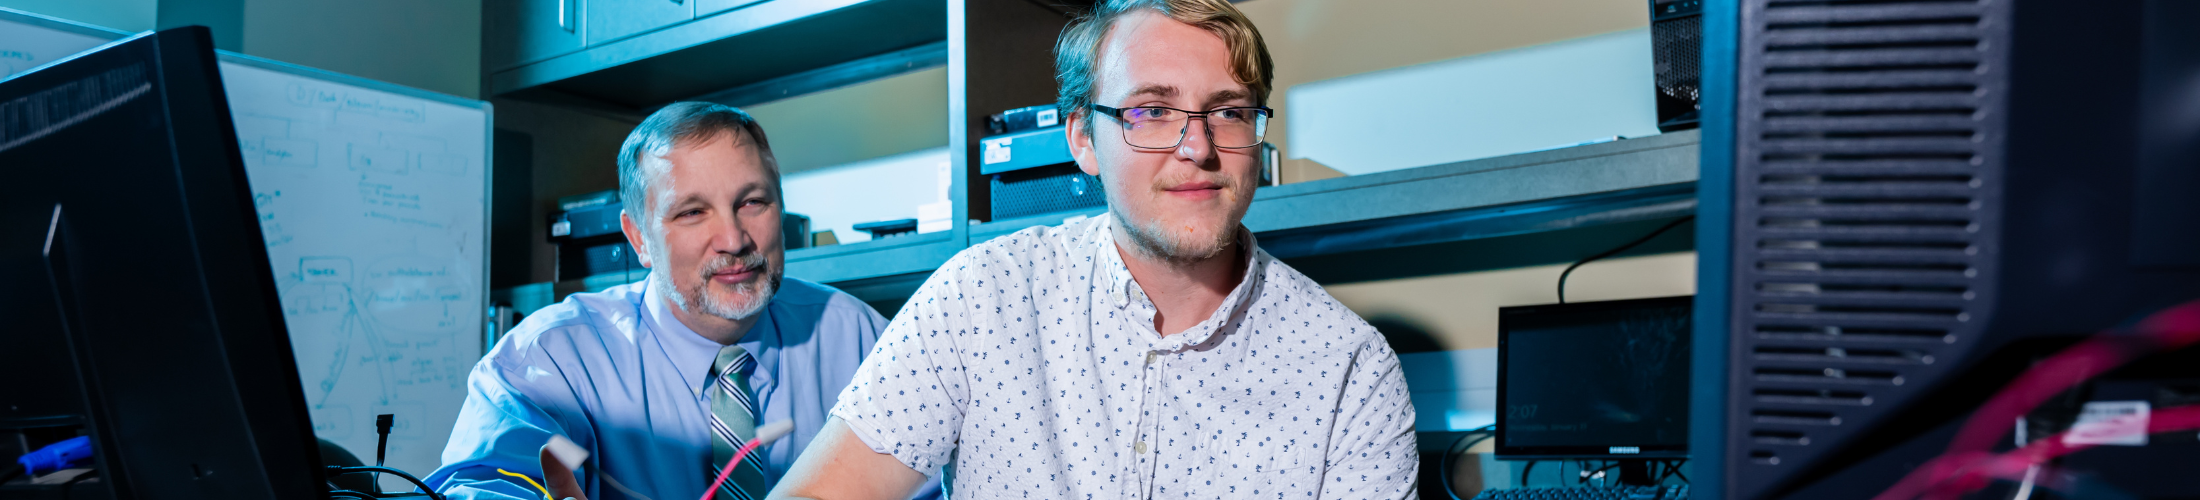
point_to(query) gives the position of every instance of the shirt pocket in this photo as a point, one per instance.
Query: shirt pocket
(1250, 465)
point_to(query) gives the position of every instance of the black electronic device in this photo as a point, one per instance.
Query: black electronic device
(1021, 119)
(1904, 205)
(1673, 492)
(1676, 54)
(1595, 380)
(585, 222)
(888, 228)
(1045, 190)
(134, 255)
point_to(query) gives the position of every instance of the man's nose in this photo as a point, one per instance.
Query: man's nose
(732, 236)
(1198, 144)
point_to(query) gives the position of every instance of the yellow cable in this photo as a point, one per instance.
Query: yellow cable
(530, 482)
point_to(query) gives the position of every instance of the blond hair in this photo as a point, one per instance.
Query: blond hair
(1077, 53)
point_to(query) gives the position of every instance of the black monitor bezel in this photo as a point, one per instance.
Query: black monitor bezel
(1506, 451)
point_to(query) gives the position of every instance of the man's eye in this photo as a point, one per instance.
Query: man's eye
(1229, 114)
(1151, 113)
(689, 213)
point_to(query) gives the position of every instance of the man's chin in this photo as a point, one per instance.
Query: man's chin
(735, 301)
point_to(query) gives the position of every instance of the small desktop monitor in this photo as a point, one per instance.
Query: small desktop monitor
(138, 282)
(1594, 380)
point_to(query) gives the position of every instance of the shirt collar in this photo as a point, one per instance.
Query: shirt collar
(691, 352)
(1123, 291)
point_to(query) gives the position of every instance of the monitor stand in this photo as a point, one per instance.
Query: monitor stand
(1636, 473)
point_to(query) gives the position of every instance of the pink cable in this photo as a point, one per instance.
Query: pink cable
(730, 464)
(2169, 329)
(1984, 466)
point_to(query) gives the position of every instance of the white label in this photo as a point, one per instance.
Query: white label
(1046, 118)
(996, 151)
(1626, 450)
(2113, 423)
(561, 228)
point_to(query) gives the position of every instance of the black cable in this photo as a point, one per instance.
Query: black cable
(338, 471)
(382, 424)
(1677, 472)
(1055, 8)
(340, 493)
(1608, 253)
(1586, 473)
(1487, 432)
(1524, 473)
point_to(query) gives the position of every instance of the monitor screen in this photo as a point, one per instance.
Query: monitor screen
(1594, 379)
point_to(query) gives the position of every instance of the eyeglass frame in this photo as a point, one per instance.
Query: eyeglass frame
(1117, 114)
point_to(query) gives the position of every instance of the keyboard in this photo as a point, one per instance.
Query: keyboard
(1673, 492)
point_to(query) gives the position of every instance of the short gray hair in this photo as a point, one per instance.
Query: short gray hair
(677, 123)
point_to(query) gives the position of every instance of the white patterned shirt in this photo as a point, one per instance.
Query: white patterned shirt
(1031, 363)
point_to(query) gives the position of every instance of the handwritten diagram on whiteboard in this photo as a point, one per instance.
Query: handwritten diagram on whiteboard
(373, 207)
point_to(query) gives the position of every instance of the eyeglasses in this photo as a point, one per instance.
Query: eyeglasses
(1159, 127)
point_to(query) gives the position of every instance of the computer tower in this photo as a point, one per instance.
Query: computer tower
(1676, 53)
(1906, 203)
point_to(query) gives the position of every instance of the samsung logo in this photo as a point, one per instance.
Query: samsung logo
(1626, 450)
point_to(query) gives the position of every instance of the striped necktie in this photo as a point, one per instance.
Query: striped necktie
(733, 423)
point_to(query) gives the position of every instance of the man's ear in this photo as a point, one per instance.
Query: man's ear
(1078, 126)
(634, 237)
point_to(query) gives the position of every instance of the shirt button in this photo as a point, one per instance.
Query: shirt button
(1139, 448)
(1149, 358)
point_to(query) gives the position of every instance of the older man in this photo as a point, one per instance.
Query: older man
(1153, 352)
(659, 379)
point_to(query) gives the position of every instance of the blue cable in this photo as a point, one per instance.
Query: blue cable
(68, 454)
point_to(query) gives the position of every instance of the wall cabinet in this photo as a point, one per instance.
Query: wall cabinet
(523, 31)
(708, 7)
(615, 19)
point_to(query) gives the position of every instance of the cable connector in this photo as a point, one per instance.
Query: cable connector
(71, 453)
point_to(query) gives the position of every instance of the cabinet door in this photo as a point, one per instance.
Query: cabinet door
(610, 20)
(707, 7)
(525, 31)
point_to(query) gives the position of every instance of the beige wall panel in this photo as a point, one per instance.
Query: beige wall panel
(1460, 310)
(1315, 40)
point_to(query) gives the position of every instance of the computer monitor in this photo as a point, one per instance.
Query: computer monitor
(127, 208)
(1904, 205)
(1594, 380)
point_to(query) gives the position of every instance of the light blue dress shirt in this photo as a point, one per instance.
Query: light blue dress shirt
(615, 372)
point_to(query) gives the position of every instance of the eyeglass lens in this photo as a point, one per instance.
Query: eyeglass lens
(1165, 128)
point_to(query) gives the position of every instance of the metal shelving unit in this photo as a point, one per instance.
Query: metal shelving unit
(999, 56)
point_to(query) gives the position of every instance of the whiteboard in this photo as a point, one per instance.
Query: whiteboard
(28, 41)
(373, 199)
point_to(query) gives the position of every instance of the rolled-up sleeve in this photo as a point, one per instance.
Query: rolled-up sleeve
(503, 427)
(908, 397)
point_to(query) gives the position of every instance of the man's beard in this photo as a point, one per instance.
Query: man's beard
(1175, 241)
(698, 299)
(1155, 239)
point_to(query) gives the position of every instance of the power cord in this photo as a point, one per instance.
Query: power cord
(1524, 473)
(1485, 433)
(1053, 7)
(1608, 253)
(382, 424)
(334, 470)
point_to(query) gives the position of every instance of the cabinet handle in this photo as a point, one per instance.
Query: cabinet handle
(565, 14)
